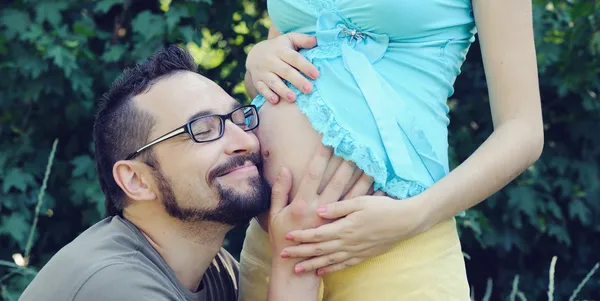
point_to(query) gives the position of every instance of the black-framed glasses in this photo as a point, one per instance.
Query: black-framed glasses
(209, 127)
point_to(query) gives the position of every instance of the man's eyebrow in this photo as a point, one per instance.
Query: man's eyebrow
(235, 105)
(203, 113)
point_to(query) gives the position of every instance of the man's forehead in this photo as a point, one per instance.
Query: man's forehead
(178, 97)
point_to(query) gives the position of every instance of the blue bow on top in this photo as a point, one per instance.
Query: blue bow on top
(359, 51)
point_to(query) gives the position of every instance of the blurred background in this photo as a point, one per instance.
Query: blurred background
(58, 57)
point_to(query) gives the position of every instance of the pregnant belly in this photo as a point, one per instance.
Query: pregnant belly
(287, 139)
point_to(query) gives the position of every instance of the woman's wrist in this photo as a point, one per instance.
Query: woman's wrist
(420, 210)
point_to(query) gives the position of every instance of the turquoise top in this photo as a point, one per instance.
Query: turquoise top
(387, 68)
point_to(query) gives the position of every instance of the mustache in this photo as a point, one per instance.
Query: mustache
(234, 162)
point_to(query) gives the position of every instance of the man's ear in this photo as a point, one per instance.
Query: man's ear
(135, 179)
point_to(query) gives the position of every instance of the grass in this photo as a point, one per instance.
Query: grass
(516, 293)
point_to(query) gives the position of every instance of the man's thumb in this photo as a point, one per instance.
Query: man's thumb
(281, 190)
(300, 40)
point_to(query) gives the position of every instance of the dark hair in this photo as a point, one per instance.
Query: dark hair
(120, 127)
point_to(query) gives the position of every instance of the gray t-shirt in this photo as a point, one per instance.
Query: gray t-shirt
(113, 261)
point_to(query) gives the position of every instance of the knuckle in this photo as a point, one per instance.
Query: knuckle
(318, 251)
(338, 185)
(347, 232)
(297, 209)
(276, 191)
(273, 82)
(279, 52)
(286, 72)
(314, 175)
(331, 259)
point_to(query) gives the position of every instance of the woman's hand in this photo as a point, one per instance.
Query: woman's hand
(367, 226)
(275, 59)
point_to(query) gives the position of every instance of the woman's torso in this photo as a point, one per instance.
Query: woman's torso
(401, 67)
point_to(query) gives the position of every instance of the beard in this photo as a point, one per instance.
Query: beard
(234, 208)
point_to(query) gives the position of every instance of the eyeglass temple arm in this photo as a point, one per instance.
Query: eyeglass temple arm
(170, 135)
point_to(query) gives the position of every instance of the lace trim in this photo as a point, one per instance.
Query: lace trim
(324, 51)
(320, 5)
(342, 141)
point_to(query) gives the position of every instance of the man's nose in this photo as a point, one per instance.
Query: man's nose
(239, 141)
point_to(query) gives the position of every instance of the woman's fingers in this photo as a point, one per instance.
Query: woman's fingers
(266, 92)
(321, 262)
(339, 266)
(275, 83)
(312, 250)
(322, 233)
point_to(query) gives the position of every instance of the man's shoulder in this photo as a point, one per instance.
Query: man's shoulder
(125, 280)
(107, 245)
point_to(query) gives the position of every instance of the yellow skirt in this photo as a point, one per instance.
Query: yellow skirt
(429, 266)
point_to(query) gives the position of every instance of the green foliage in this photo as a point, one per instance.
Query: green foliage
(58, 57)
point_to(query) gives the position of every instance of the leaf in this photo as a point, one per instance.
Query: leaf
(81, 82)
(49, 11)
(34, 33)
(595, 43)
(105, 5)
(148, 25)
(16, 22)
(560, 233)
(18, 179)
(83, 29)
(83, 164)
(15, 226)
(62, 58)
(555, 210)
(565, 186)
(113, 53)
(175, 14)
(577, 209)
(582, 9)
(523, 199)
(188, 33)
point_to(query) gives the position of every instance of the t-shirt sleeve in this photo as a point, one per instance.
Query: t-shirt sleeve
(124, 281)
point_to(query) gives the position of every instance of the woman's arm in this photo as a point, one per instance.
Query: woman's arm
(508, 50)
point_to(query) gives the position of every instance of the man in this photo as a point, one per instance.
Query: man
(179, 165)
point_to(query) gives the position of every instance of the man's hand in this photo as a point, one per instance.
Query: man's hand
(272, 60)
(301, 212)
(286, 283)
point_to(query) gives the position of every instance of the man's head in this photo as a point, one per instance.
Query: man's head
(195, 171)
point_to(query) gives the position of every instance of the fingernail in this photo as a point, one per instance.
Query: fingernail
(289, 237)
(273, 98)
(320, 272)
(321, 209)
(314, 74)
(291, 96)
(299, 270)
(284, 255)
(307, 88)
